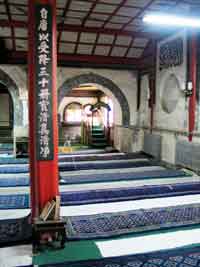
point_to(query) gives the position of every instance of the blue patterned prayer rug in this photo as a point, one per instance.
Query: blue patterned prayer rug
(12, 182)
(72, 158)
(128, 222)
(124, 194)
(105, 165)
(78, 166)
(181, 257)
(14, 169)
(109, 177)
(15, 230)
(14, 201)
(103, 157)
(13, 160)
(21, 201)
(24, 180)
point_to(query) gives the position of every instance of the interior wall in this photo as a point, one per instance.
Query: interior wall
(15, 79)
(4, 110)
(169, 135)
(170, 126)
(167, 124)
(124, 79)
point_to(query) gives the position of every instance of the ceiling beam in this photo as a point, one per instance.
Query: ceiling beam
(113, 13)
(67, 27)
(85, 93)
(65, 58)
(74, 28)
(139, 13)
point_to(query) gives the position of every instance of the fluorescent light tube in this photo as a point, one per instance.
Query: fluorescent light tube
(172, 20)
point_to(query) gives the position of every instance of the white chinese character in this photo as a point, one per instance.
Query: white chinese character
(43, 129)
(44, 105)
(44, 94)
(43, 47)
(43, 82)
(43, 59)
(44, 151)
(43, 25)
(44, 140)
(44, 117)
(43, 13)
(44, 37)
(43, 72)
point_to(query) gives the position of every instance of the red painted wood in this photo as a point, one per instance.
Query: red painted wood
(193, 77)
(44, 174)
(31, 63)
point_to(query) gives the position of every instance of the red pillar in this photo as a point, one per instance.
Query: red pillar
(43, 130)
(193, 77)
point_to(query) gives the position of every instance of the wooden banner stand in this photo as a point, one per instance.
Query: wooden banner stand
(43, 130)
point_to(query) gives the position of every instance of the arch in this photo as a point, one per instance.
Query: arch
(68, 105)
(14, 92)
(4, 90)
(101, 104)
(87, 105)
(71, 83)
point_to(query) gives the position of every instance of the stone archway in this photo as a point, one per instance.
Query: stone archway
(71, 83)
(14, 92)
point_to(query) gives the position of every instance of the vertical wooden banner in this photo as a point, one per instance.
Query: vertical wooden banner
(43, 129)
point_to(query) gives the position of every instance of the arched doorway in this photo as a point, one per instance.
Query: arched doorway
(6, 114)
(14, 93)
(14, 116)
(74, 82)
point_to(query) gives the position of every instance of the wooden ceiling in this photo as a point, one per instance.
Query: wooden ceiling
(101, 32)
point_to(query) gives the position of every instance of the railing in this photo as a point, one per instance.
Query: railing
(86, 133)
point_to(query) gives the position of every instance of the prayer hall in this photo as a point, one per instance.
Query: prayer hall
(99, 133)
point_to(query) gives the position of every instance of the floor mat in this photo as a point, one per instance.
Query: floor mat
(108, 156)
(182, 257)
(94, 165)
(24, 181)
(14, 201)
(15, 230)
(124, 194)
(91, 178)
(109, 225)
(12, 182)
(77, 166)
(21, 201)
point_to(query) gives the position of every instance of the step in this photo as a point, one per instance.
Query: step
(99, 144)
(97, 130)
(99, 140)
(99, 134)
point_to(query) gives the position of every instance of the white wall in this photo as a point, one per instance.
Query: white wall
(125, 80)
(177, 120)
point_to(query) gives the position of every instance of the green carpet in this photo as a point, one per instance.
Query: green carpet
(85, 250)
(73, 251)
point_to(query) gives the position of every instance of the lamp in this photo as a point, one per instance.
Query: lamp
(189, 89)
(172, 20)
